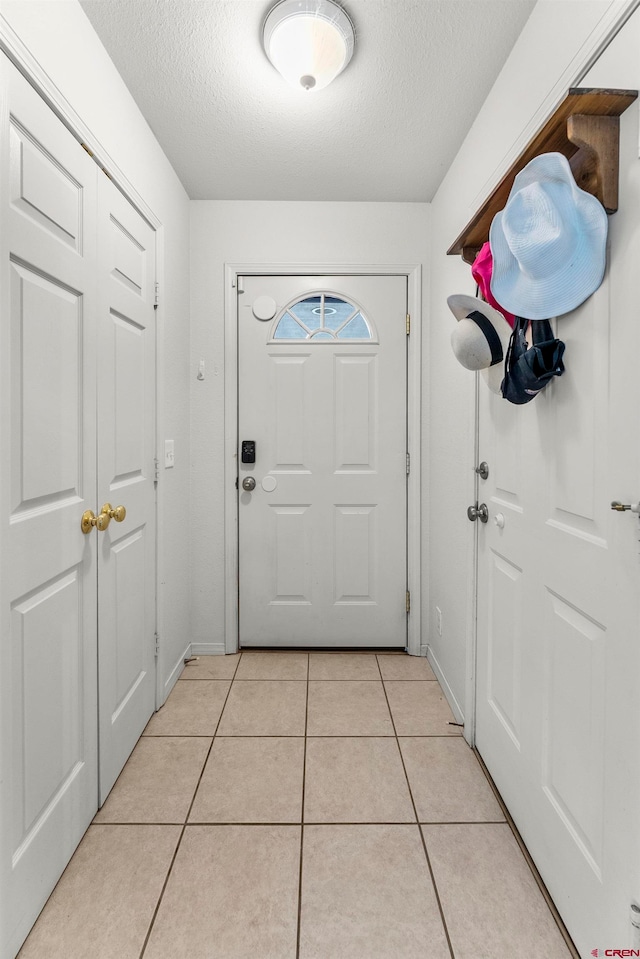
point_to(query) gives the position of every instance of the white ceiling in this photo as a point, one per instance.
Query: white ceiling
(386, 129)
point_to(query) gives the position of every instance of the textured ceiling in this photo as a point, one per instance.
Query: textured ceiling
(386, 129)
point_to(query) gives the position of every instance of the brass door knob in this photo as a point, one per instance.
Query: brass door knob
(117, 513)
(88, 521)
(109, 512)
(102, 520)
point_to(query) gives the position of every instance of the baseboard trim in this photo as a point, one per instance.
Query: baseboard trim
(444, 685)
(207, 649)
(174, 675)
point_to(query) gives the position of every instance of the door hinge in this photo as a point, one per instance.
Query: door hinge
(408, 601)
(408, 463)
(408, 324)
(156, 471)
(156, 295)
(157, 649)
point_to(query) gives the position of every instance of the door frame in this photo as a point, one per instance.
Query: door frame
(610, 24)
(28, 65)
(413, 274)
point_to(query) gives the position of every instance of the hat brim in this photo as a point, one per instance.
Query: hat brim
(461, 306)
(573, 282)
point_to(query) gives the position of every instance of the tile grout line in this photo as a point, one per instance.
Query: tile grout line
(186, 819)
(314, 736)
(415, 810)
(323, 822)
(304, 780)
(285, 679)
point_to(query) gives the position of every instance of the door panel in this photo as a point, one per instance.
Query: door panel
(557, 718)
(355, 410)
(46, 321)
(323, 535)
(504, 651)
(48, 568)
(576, 655)
(77, 428)
(126, 474)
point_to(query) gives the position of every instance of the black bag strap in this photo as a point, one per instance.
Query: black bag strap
(516, 340)
(541, 332)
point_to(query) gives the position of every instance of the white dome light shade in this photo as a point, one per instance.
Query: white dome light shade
(308, 41)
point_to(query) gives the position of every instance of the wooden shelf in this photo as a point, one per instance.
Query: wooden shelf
(585, 128)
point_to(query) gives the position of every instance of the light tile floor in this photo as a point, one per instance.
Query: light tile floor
(299, 806)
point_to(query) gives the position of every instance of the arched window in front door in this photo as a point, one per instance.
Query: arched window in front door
(323, 317)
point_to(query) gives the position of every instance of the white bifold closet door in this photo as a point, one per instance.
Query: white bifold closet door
(77, 411)
(125, 430)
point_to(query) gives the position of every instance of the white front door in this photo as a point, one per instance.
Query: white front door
(323, 396)
(48, 656)
(559, 601)
(126, 472)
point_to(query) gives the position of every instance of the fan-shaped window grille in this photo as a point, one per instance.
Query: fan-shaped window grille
(322, 318)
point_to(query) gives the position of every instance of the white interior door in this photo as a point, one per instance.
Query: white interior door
(48, 690)
(558, 601)
(77, 430)
(126, 473)
(322, 394)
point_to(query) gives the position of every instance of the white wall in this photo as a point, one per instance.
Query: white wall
(263, 232)
(60, 38)
(546, 60)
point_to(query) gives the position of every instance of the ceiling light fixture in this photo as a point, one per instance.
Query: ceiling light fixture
(308, 41)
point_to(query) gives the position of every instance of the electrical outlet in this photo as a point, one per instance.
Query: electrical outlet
(169, 455)
(439, 620)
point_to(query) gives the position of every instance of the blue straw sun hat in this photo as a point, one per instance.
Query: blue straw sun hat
(549, 242)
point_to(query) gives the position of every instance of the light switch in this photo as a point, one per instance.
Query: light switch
(169, 456)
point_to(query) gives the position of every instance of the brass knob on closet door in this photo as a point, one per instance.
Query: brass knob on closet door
(102, 520)
(88, 521)
(109, 512)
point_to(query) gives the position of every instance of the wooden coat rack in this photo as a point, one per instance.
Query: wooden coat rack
(586, 130)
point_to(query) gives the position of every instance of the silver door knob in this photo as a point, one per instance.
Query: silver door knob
(478, 512)
(248, 484)
(622, 507)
